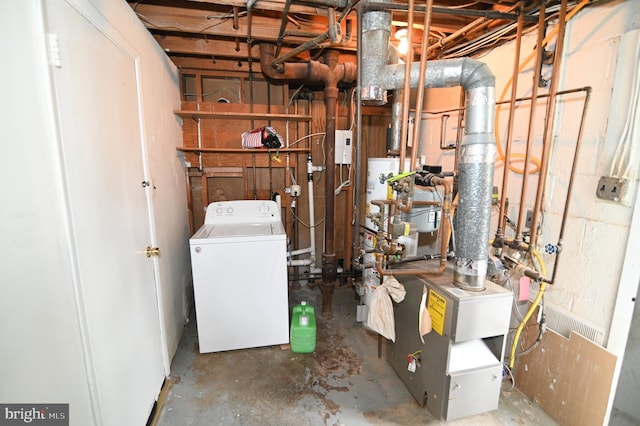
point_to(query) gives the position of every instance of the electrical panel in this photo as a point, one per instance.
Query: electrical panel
(344, 139)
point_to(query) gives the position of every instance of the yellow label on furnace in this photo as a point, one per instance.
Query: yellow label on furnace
(437, 307)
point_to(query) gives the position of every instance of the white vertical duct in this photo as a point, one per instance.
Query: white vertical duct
(477, 150)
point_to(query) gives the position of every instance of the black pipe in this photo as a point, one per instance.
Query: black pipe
(439, 10)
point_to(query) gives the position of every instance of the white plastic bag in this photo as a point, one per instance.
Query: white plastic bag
(380, 318)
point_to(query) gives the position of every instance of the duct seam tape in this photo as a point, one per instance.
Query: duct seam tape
(471, 267)
(477, 153)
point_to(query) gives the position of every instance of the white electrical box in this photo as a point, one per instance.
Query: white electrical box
(344, 139)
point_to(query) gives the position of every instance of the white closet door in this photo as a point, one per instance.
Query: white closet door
(98, 106)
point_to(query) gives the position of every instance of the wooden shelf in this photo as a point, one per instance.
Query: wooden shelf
(240, 150)
(242, 115)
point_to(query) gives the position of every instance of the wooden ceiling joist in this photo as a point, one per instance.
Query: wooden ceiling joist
(272, 5)
(207, 47)
(194, 21)
(215, 34)
(213, 64)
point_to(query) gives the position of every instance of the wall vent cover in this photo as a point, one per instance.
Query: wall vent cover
(563, 322)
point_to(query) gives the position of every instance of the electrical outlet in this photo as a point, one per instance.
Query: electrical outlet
(612, 188)
(529, 219)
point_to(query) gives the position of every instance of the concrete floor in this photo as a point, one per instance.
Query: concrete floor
(342, 383)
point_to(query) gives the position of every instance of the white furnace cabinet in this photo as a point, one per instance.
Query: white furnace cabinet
(239, 264)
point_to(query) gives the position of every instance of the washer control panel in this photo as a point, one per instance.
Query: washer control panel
(242, 211)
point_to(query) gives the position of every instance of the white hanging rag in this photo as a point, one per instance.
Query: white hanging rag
(380, 318)
(424, 317)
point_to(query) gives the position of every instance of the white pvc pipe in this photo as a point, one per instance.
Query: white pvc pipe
(312, 229)
(299, 262)
(299, 252)
(312, 224)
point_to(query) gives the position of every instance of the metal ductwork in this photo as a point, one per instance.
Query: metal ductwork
(375, 33)
(477, 150)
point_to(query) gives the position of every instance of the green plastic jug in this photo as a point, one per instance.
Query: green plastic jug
(303, 329)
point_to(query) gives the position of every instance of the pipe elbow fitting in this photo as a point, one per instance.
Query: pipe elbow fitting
(476, 74)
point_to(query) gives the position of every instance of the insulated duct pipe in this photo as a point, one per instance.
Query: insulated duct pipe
(396, 124)
(330, 73)
(477, 150)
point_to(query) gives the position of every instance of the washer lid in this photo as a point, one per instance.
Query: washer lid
(258, 229)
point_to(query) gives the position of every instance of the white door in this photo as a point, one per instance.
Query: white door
(97, 103)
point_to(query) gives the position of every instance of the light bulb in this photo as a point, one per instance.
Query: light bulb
(403, 47)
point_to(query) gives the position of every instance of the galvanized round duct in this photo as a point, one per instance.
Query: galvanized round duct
(477, 150)
(376, 31)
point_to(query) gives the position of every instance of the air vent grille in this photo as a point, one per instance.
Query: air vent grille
(563, 322)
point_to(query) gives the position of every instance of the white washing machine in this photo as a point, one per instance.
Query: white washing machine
(239, 265)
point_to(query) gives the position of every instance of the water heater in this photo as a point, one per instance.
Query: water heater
(377, 188)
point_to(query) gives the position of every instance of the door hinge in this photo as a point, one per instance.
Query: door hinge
(54, 50)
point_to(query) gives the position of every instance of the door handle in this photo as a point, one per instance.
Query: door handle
(152, 251)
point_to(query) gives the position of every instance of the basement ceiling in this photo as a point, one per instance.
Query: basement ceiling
(223, 35)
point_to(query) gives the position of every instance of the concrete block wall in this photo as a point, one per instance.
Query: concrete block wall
(599, 52)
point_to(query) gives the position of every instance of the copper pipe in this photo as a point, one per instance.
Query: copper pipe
(532, 117)
(420, 95)
(547, 139)
(406, 93)
(512, 109)
(381, 206)
(443, 130)
(427, 203)
(419, 101)
(587, 90)
(444, 243)
(406, 207)
(406, 89)
(565, 213)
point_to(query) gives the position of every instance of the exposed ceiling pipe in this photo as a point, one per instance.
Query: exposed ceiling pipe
(442, 10)
(358, 145)
(499, 238)
(396, 123)
(519, 243)
(422, 72)
(333, 35)
(340, 4)
(407, 204)
(406, 94)
(330, 73)
(477, 151)
(283, 25)
(549, 123)
(467, 29)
